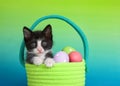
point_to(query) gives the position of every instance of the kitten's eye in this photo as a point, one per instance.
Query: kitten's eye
(44, 43)
(33, 45)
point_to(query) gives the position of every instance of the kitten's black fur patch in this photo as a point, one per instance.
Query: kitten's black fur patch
(31, 39)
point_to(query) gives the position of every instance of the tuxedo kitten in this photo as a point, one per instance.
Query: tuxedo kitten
(39, 44)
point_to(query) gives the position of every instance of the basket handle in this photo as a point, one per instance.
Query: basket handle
(79, 31)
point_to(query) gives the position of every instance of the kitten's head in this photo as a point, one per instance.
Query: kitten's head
(38, 41)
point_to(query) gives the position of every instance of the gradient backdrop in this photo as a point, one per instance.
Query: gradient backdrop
(99, 20)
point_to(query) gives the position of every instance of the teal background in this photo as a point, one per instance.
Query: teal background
(99, 20)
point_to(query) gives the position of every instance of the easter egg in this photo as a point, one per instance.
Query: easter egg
(75, 57)
(68, 49)
(61, 57)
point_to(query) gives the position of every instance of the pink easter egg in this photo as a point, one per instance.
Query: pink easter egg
(75, 56)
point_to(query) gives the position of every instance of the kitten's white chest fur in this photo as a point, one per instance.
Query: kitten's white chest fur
(40, 59)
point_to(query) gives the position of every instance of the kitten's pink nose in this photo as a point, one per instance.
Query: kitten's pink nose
(39, 50)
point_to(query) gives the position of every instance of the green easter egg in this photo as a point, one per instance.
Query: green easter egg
(68, 49)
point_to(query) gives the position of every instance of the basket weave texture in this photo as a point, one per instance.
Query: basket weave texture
(62, 74)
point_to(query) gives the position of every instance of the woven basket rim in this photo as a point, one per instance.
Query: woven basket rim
(58, 64)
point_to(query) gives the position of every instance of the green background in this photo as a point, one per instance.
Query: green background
(99, 20)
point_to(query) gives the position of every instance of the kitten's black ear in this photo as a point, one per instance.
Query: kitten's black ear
(27, 33)
(48, 31)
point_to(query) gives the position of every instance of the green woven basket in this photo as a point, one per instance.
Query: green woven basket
(62, 74)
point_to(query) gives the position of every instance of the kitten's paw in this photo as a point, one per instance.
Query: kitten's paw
(49, 62)
(37, 61)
